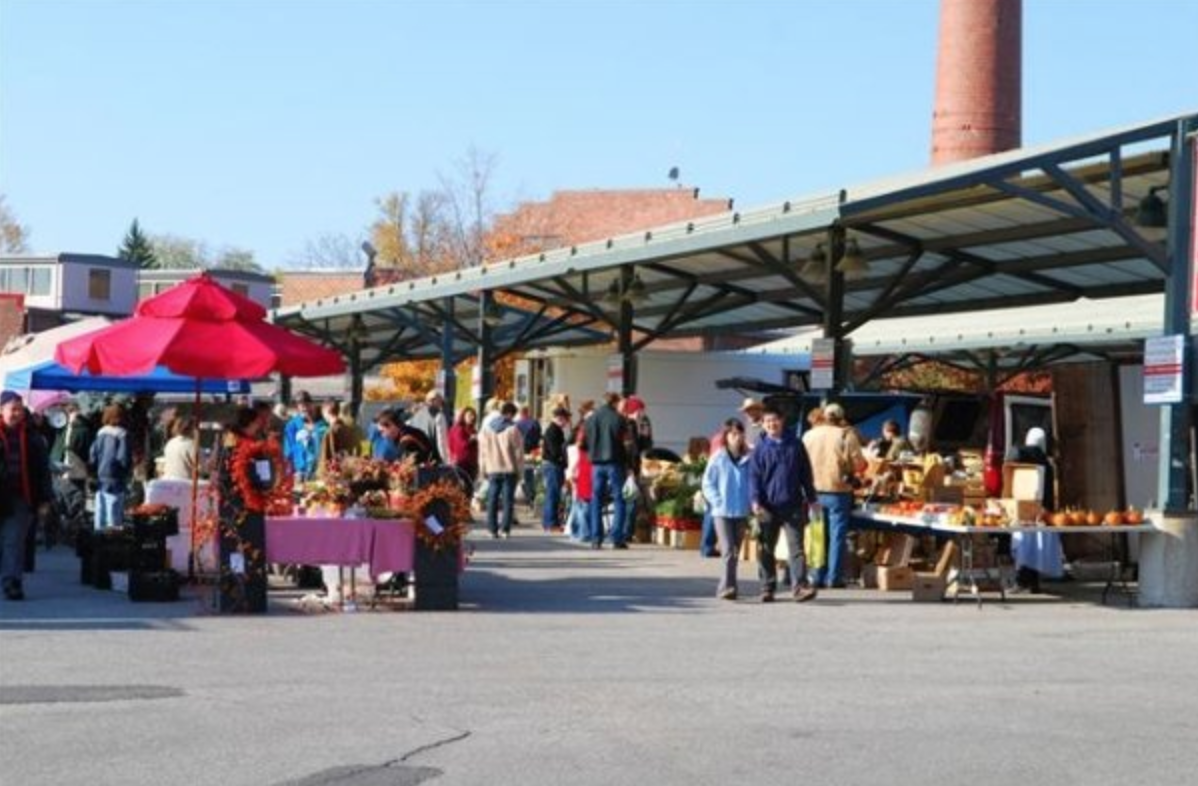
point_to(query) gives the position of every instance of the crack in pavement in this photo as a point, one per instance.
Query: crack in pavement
(390, 773)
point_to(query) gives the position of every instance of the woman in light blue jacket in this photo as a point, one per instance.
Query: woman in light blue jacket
(726, 490)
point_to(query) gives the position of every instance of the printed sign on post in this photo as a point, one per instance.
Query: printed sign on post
(823, 363)
(615, 374)
(1164, 368)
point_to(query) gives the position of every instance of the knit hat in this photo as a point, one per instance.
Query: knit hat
(9, 395)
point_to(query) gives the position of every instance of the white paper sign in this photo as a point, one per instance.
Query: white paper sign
(823, 362)
(434, 526)
(237, 563)
(263, 469)
(1164, 365)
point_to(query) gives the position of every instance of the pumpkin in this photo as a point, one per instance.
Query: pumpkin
(1059, 519)
(1113, 518)
(1133, 516)
(1076, 518)
(1093, 518)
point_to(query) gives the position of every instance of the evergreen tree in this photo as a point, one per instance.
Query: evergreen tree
(137, 248)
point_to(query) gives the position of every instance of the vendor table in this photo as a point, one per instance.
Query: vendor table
(387, 545)
(966, 571)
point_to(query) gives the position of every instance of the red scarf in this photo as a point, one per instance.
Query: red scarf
(26, 491)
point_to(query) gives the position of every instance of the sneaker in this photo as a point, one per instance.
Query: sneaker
(767, 596)
(494, 536)
(804, 594)
(728, 594)
(506, 535)
(620, 546)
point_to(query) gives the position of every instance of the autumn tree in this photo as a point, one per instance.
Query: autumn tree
(14, 236)
(137, 247)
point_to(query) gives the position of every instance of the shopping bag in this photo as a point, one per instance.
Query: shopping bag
(815, 542)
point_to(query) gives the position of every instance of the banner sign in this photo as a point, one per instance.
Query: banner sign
(823, 363)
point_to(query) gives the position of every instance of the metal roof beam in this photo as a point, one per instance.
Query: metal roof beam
(1112, 218)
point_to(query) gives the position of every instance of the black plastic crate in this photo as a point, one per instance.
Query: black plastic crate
(160, 586)
(157, 527)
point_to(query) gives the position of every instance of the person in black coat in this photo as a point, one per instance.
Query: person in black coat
(25, 489)
(553, 467)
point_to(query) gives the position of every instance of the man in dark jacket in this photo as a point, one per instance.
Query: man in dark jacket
(781, 490)
(24, 489)
(605, 434)
(553, 467)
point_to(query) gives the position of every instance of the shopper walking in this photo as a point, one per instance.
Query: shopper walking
(836, 458)
(605, 434)
(553, 468)
(781, 492)
(25, 489)
(726, 490)
(501, 460)
(112, 462)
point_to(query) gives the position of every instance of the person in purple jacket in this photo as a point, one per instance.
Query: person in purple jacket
(781, 492)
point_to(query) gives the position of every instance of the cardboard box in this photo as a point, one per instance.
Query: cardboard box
(897, 551)
(1021, 510)
(686, 540)
(895, 578)
(928, 588)
(1022, 481)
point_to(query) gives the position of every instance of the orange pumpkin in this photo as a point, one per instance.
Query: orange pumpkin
(1133, 516)
(1059, 519)
(1076, 518)
(1113, 518)
(1093, 518)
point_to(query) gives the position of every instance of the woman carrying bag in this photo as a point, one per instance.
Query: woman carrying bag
(726, 489)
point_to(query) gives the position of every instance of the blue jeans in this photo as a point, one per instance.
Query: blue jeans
(14, 528)
(580, 520)
(505, 485)
(608, 478)
(529, 483)
(708, 543)
(837, 508)
(110, 510)
(554, 476)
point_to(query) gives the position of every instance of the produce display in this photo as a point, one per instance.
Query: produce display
(994, 515)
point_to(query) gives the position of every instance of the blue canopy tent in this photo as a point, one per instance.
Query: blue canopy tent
(49, 375)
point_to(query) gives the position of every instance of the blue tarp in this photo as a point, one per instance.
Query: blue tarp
(52, 376)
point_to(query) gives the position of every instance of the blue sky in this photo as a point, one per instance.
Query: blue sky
(263, 124)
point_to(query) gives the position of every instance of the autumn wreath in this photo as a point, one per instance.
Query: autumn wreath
(260, 497)
(446, 500)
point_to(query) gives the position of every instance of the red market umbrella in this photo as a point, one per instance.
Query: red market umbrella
(202, 330)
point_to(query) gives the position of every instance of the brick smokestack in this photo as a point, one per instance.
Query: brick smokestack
(979, 78)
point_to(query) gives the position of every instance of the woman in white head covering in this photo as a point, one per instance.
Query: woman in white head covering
(1037, 554)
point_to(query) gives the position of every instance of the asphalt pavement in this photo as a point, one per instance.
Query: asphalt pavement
(570, 666)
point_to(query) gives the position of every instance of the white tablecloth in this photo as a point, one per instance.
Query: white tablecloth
(177, 494)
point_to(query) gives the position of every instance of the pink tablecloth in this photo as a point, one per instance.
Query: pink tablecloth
(387, 545)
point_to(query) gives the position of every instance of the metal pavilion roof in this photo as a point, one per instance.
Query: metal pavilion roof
(1037, 225)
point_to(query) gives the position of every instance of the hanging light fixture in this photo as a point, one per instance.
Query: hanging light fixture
(1151, 212)
(612, 296)
(852, 264)
(636, 293)
(816, 268)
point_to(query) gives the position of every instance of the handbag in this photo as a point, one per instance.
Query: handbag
(815, 541)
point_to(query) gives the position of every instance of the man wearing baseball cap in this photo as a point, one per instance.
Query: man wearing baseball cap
(751, 408)
(24, 488)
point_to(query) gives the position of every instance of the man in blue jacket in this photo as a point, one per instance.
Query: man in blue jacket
(781, 490)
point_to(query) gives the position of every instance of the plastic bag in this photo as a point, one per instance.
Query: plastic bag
(815, 542)
(631, 490)
(699, 502)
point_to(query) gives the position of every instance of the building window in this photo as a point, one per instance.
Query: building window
(18, 280)
(99, 284)
(39, 281)
(145, 289)
(241, 289)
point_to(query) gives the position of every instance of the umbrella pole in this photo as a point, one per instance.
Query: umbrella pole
(195, 488)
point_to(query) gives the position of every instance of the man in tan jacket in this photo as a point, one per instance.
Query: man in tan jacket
(501, 462)
(836, 458)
